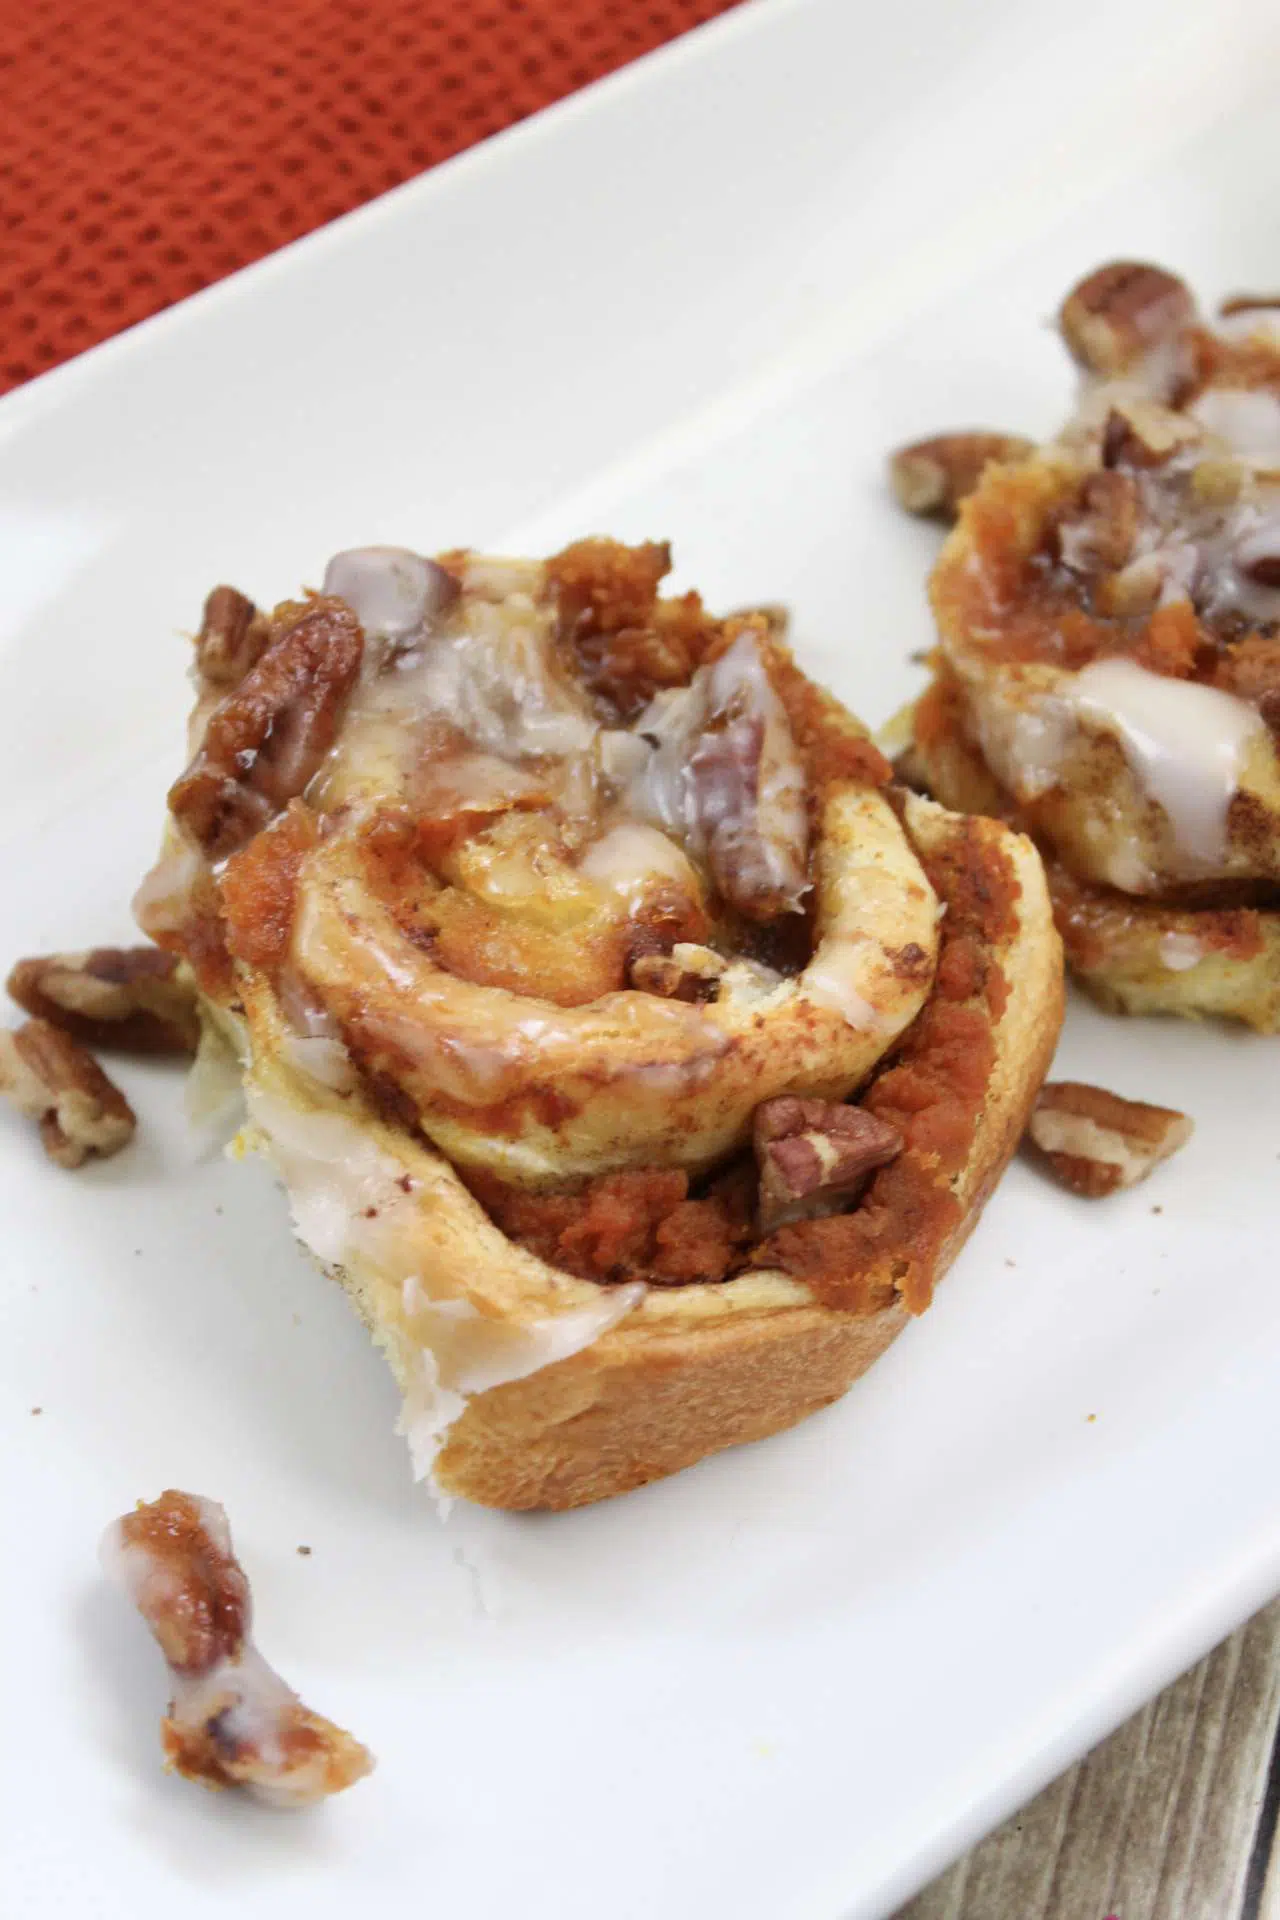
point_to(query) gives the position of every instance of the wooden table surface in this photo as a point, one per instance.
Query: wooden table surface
(1172, 1818)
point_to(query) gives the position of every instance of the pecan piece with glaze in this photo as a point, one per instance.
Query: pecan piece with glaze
(231, 1721)
(1098, 535)
(747, 786)
(689, 972)
(934, 477)
(815, 1157)
(233, 637)
(1096, 1142)
(135, 999)
(264, 742)
(47, 1075)
(1142, 435)
(1117, 314)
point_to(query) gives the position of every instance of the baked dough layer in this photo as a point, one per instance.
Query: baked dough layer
(438, 826)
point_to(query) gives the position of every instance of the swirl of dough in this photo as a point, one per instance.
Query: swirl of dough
(537, 1090)
(477, 888)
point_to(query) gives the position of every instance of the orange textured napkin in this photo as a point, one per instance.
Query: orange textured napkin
(148, 147)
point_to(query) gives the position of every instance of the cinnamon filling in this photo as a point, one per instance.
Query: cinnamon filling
(1096, 922)
(542, 801)
(640, 1225)
(933, 1093)
(644, 1224)
(1156, 535)
(1177, 608)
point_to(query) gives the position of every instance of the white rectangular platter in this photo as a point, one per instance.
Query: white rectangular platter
(697, 302)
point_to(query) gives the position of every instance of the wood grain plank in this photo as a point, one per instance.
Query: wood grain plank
(1157, 1823)
(1262, 1889)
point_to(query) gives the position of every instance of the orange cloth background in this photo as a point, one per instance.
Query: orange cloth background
(148, 147)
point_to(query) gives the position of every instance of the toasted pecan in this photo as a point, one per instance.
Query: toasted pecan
(1137, 433)
(1116, 314)
(233, 637)
(1099, 534)
(48, 1075)
(1096, 1142)
(264, 742)
(815, 1156)
(934, 477)
(689, 972)
(132, 999)
(1248, 303)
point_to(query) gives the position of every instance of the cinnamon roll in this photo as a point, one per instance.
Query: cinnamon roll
(1108, 669)
(631, 1048)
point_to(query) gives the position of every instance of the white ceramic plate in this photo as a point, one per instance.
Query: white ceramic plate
(697, 302)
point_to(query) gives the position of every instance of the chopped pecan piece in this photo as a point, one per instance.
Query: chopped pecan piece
(137, 999)
(267, 738)
(815, 1157)
(1140, 434)
(233, 637)
(1096, 1142)
(1118, 313)
(932, 477)
(1258, 554)
(1248, 303)
(394, 593)
(776, 617)
(232, 1721)
(688, 972)
(49, 1076)
(1099, 535)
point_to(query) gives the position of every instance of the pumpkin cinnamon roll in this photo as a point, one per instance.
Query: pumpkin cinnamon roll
(1108, 670)
(632, 1050)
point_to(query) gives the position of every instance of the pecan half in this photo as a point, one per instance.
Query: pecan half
(137, 999)
(815, 1157)
(1141, 434)
(1096, 1142)
(688, 972)
(1117, 314)
(232, 1721)
(46, 1074)
(932, 477)
(233, 637)
(264, 742)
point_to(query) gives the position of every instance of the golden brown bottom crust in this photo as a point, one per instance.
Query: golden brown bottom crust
(630, 1410)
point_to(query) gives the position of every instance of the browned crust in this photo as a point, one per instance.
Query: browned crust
(628, 1411)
